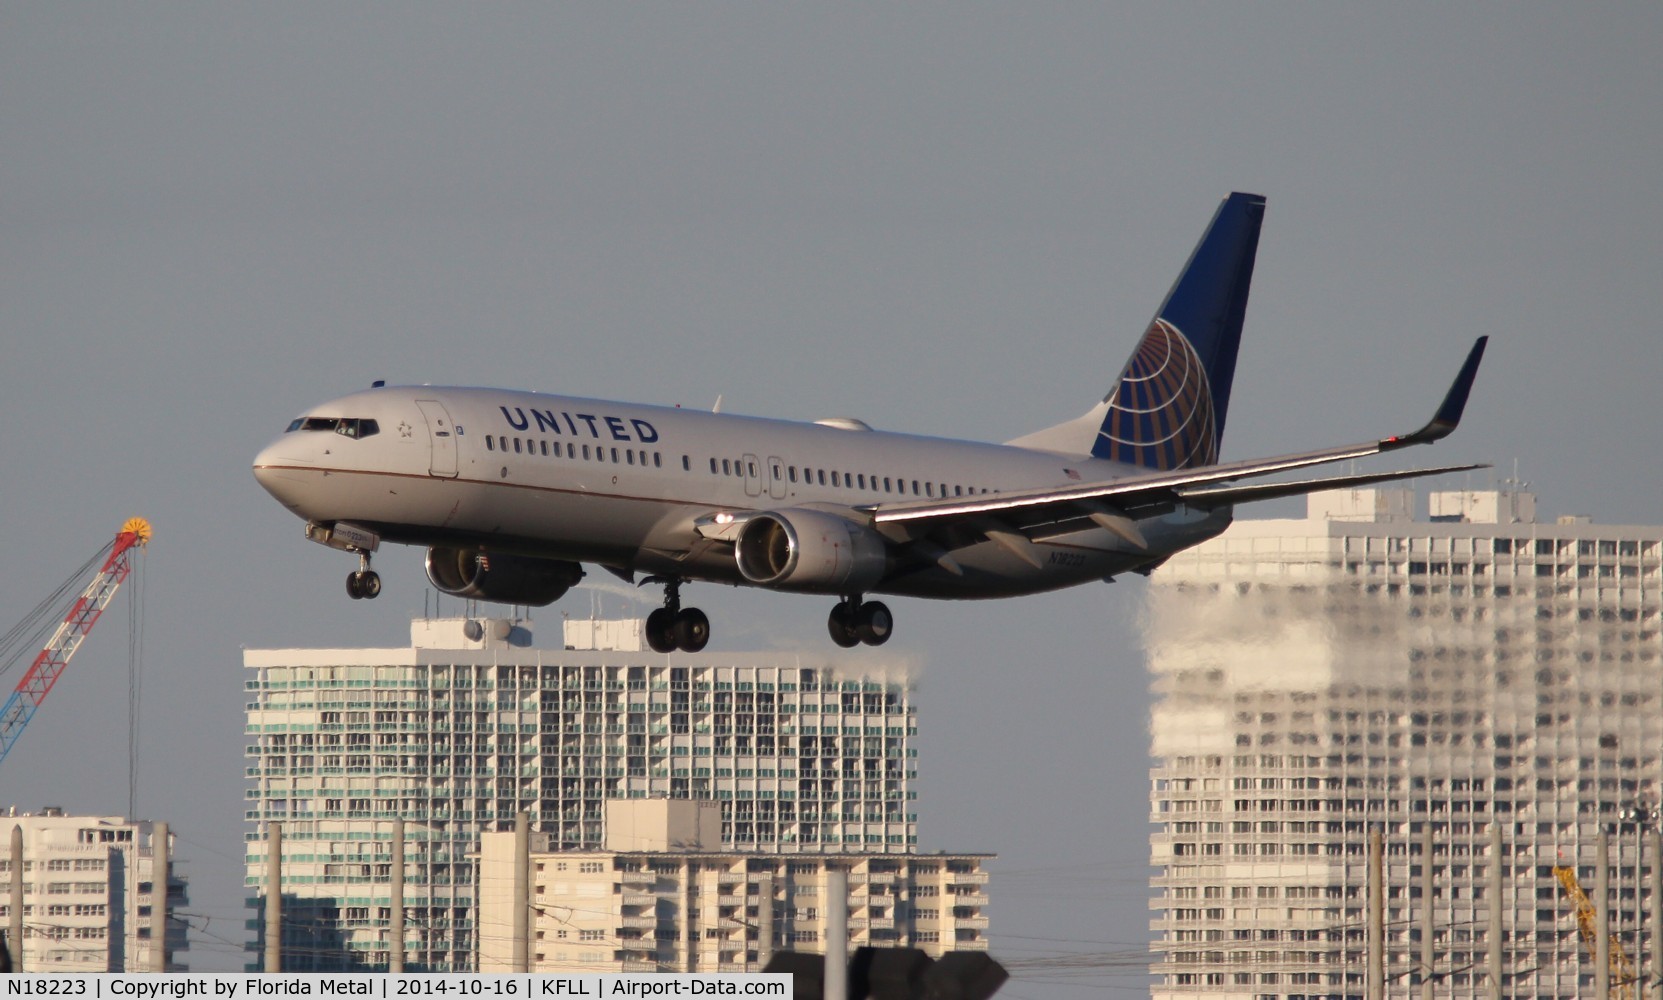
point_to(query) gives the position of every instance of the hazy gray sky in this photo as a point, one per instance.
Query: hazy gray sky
(940, 218)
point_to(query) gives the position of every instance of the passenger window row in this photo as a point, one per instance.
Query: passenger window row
(587, 453)
(846, 480)
(740, 467)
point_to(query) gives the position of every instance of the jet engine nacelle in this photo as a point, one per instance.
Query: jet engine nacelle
(495, 576)
(810, 550)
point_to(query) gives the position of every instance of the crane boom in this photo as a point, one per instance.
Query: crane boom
(50, 663)
(1623, 975)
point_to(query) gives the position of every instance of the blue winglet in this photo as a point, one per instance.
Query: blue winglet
(1444, 422)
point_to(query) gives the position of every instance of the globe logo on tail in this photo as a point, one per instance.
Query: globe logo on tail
(1161, 412)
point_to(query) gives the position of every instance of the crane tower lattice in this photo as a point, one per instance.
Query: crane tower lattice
(54, 656)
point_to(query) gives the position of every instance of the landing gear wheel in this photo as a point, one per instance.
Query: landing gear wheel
(841, 625)
(873, 623)
(674, 627)
(661, 630)
(692, 629)
(363, 585)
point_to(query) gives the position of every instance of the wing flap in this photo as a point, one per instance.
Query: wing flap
(1220, 496)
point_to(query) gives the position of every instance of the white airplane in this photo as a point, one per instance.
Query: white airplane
(511, 492)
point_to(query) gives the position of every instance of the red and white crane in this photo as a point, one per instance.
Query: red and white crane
(54, 656)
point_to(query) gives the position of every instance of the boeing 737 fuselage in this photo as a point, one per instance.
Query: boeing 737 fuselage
(512, 492)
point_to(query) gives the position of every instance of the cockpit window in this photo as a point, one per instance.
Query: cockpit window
(352, 427)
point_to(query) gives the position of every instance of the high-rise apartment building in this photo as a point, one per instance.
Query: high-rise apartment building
(661, 897)
(470, 725)
(1476, 673)
(91, 888)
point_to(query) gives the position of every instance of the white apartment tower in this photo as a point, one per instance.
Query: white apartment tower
(664, 896)
(470, 725)
(1472, 674)
(90, 888)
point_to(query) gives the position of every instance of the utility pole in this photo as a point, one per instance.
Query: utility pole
(522, 892)
(836, 978)
(686, 939)
(1656, 838)
(14, 931)
(1496, 884)
(159, 863)
(395, 926)
(1428, 910)
(274, 896)
(1639, 880)
(1376, 920)
(1602, 933)
(764, 919)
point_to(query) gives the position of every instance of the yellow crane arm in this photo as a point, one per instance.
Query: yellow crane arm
(1623, 975)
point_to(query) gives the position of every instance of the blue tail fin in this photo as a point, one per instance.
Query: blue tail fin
(1167, 409)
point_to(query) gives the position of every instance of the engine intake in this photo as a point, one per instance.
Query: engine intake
(810, 550)
(495, 576)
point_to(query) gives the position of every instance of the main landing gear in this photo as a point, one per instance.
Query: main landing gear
(674, 627)
(364, 583)
(854, 621)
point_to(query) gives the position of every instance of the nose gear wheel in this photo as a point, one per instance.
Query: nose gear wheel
(365, 583)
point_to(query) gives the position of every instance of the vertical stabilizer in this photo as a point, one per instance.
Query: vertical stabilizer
(1167, 409)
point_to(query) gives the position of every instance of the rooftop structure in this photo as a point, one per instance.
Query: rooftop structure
(1358, 669)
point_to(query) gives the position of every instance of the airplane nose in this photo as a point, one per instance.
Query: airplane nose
(279, 473)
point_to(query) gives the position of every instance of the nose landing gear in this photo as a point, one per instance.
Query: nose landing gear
(674, 627)
(365, 583)
(854, 621)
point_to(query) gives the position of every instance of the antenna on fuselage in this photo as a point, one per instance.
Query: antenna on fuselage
(718, 407)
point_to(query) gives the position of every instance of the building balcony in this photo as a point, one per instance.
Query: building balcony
(649, 922)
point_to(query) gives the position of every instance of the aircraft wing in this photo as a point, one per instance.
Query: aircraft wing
(1117, 504)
